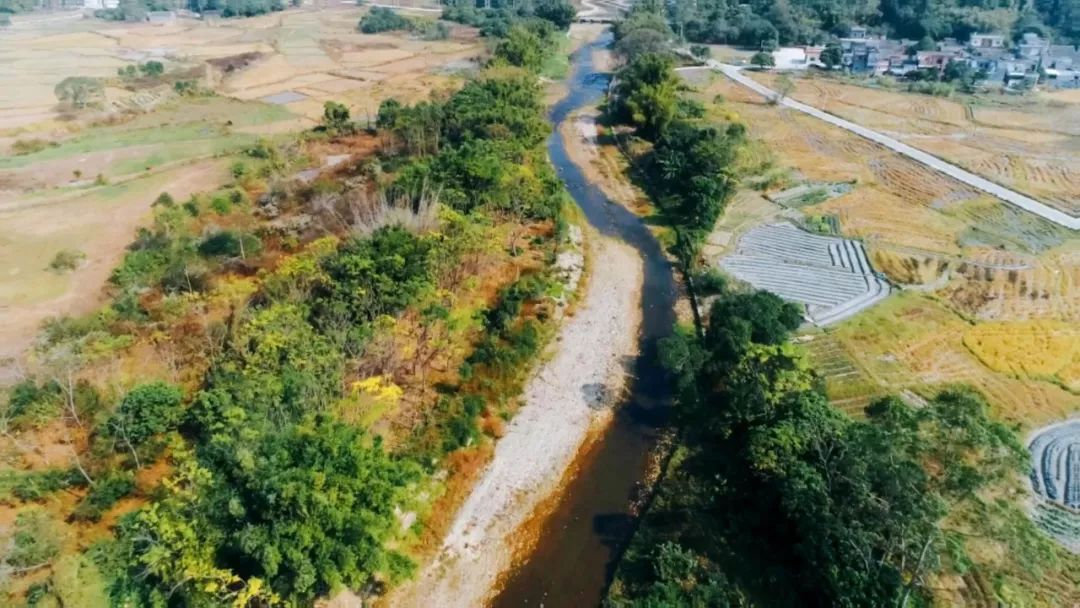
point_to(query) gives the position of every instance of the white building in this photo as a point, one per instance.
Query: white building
(100, 4)
(987, 41)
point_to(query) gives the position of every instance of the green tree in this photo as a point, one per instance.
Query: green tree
(641, 42)
(784, 86)
(311, 509)
(523, 48)
(762, 60)
(832, 55)
(336, 118)
(79, 92)
(152, 69)
(559, 12)
(147, 410)
(381, 19)
(646, 94)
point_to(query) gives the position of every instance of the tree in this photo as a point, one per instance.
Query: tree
(762, 60)
(336, 118)
(559, 12)
(776, 484)
(647, 94)
(152, 69)
(832, 55)
(79, 92)
(311, 509)
(381, 19)
(640, 42)
(522, 47)
(168, 550)
(147, 410)
(269, 519)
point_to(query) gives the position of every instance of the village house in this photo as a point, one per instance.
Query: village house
(1033, 60)
(1032, 46)
(986, 41)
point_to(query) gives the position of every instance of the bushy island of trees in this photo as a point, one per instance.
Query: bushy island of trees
(264, 413)
(772, 497)
(767, 23)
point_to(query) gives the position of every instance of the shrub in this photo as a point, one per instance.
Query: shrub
(228, 243)
(66, 259)
(23, 147)
(103, 495)
(27, 395)
(709, 282)
(152, 69)
(381, 19)
(221, 205)
(31, 486)
(700, 51)
(35, 540)
(147, 410)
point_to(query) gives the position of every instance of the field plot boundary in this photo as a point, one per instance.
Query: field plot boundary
(831, 276)
(1010, 196)
(1055, 481)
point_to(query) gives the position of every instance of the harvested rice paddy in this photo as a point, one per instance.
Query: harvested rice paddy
(976, 286)
(1031, 145)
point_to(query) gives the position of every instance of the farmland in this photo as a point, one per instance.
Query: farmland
(1029, 145)
(988, 294)
(84, 180)
(983, 283)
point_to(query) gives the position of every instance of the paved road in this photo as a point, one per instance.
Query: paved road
(1010, 196)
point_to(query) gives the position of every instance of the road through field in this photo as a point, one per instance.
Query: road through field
(1010, 196)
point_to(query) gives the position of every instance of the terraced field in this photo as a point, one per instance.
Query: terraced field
(916, 341)
(830, 276)
(1055, 481)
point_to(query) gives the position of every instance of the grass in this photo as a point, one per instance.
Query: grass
(187, 128)
(557, 65)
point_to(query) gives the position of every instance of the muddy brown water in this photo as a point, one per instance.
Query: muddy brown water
(579, 544)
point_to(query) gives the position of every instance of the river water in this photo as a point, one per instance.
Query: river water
(580, 542)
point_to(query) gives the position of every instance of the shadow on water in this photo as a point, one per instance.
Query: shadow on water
(578, 546)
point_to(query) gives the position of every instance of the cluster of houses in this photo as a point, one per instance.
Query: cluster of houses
(997, 59)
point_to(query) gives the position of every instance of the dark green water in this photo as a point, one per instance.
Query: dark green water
(581, 541)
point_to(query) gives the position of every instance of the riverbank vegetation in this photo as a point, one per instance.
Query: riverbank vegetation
(294, 375)
(773, 497)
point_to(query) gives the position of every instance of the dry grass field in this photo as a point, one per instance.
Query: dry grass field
(270, 76)
(1031, 145)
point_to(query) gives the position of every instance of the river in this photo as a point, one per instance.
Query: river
(580, 542)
